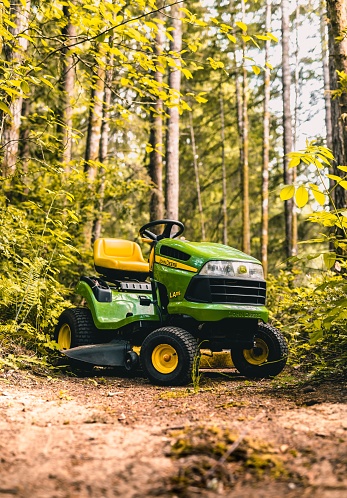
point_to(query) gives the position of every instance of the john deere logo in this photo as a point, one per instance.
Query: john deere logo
(242, 269)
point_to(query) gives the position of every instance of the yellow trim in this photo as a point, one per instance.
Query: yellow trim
(174, 264)
(164, 358)
(257, 355)
(64, 337)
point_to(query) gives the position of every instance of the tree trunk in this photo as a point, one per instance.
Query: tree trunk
(287, 124)
(337, 22)
(224, 176)
(94, 123)
(172, 142)
(266, 149)
(197, 178)
(103, 150)
(326, 77)
(68, 78)
(14, 55)
(156, 207)
(294, 237)
(246, 233)
(93, 147)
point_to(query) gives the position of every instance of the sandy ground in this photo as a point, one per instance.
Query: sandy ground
(113, 436)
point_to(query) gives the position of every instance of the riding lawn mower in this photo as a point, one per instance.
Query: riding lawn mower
(159, 314)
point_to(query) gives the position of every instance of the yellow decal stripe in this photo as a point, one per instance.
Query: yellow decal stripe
(174, 264)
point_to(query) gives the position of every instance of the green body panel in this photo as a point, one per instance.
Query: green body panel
(177, 280)
(113, 315)
(201, 252)
(205, 312)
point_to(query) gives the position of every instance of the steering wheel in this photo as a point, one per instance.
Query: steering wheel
(166, 233)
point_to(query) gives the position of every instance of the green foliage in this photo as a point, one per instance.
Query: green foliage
(310, 309)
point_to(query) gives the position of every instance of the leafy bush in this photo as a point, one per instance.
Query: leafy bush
(311, 312)
(35, 248)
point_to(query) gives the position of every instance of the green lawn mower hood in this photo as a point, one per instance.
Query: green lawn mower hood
(209, 281)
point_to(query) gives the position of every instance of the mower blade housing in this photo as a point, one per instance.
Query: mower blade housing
(111, 354)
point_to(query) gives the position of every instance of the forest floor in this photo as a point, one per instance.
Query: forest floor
(108, 436)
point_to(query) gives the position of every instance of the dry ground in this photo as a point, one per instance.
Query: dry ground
(109, 436)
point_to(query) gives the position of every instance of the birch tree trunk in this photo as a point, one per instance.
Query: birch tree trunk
(266, 150)
(246, 233)
(68, 79)
(103, 150)
(326, 77)
(172, 142)
(197, 177)
(337, 22)
(156, 139)
(14, 54)
(93, 146)
(94, 122)
(294, 236)
(287, 124)
(224, 176)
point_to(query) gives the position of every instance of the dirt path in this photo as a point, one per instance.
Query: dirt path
(104, 437)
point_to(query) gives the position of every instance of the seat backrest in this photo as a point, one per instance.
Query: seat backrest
(119, 249)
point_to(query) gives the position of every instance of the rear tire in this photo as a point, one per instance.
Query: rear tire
(167, 356)
(75, 328)
(267, 359)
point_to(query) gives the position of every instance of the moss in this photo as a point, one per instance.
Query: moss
(207, 461)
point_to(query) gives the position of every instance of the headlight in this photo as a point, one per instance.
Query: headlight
(232, 269)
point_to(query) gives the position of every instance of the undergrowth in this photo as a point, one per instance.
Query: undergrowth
(311, 311)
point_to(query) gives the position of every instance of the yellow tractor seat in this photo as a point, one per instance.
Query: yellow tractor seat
(117, 258)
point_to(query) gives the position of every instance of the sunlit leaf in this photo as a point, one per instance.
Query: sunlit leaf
(5, 108)
(232, 38)
(256, 69)
(241, 25)
(301, 196)
(317, 194)
(272, 37)
(295, 161)
(334, 177)
(287, 192)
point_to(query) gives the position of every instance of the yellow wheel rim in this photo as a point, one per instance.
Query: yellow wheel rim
(164, 358)
(64, 337)
(257, 355)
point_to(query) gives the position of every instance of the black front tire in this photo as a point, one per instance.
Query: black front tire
(168, 356)
(75, 327)
(267, 359)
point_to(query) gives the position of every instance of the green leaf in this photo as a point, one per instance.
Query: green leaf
(301, 196)
(287, 192)
(256, 69)
(329, 259)
(315, 336)
(25, 87)
(343, 168)
(270, 66)
(343, 184)
(5, 108)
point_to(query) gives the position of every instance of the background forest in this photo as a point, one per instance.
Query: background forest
(114, 113)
